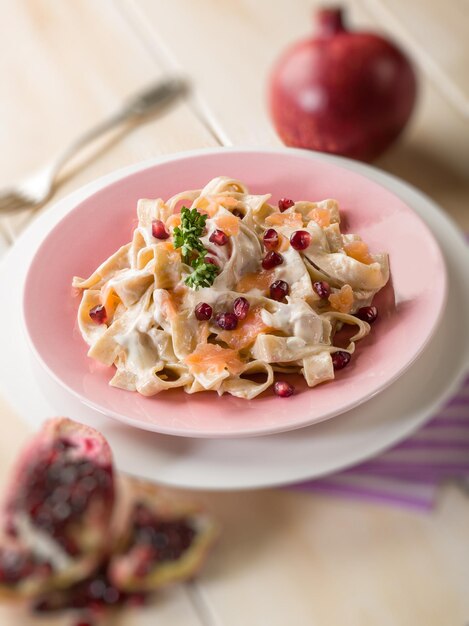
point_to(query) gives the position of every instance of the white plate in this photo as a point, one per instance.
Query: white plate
(410, 306)
(261, 461)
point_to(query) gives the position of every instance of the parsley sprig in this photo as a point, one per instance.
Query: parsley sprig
(203, 275)
(187, 237)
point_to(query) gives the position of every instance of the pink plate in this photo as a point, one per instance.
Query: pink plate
(410, 308)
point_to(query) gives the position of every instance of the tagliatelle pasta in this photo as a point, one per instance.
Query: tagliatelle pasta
(228, 292)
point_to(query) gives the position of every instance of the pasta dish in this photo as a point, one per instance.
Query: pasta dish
(220, 290)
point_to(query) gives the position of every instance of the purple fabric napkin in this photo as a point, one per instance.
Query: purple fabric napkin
(410, 473)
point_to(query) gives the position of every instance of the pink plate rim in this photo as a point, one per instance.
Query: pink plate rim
(117, 178)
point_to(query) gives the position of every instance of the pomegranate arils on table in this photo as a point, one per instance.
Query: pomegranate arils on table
(98, 314)
(300, 240)
(340, 359)
(168, 539)
(61, 490)
(284, 204)
(271, 239)
(158, 230)
(283, 389)
(322, 288)
(17, 565)
(367, 314)
(92, 595)
(219, 238)
(271, 260)
(241, 308)
(227, 321)
(279, 289)
(203, 311)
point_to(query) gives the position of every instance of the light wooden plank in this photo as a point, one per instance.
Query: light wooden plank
(229, 55)
(437, 33)
(72, 64)
(433, 152)
(308, 560)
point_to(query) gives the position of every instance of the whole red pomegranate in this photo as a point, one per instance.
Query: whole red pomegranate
(348, 93)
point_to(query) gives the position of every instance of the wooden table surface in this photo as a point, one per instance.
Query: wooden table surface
(284, 558)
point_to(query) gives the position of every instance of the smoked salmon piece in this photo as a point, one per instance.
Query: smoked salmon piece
(211, 356)
(255, 280)
(321, 217)
(293, 220)
(342, 301)
(229, 224)
(246, 331)
(358, 250)
(226, 201)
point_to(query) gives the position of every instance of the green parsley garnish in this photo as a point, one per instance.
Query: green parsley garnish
(187, 237)
(203, 275)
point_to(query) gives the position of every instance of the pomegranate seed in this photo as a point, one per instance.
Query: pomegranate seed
(240, 308)
(322, 289)
(210, 259)
(41, 606)
(219, 238)
(271, 239)
(98, 314)
(158, 230)
(203, 311)
(283, 389)
(279, 289)
(284, 204)
(340, 359)
(300, 240)
(111, 595)
(97, 588)
(271, 260)
(367, 314)
(136, 599)
(227, 321)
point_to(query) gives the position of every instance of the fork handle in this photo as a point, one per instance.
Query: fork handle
(154, 98)
(145, 103)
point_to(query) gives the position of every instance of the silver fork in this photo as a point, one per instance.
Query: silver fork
(39, 187)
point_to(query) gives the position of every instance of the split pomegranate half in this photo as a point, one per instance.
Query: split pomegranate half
(163, 540)
(58, 509)
(73, 537)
